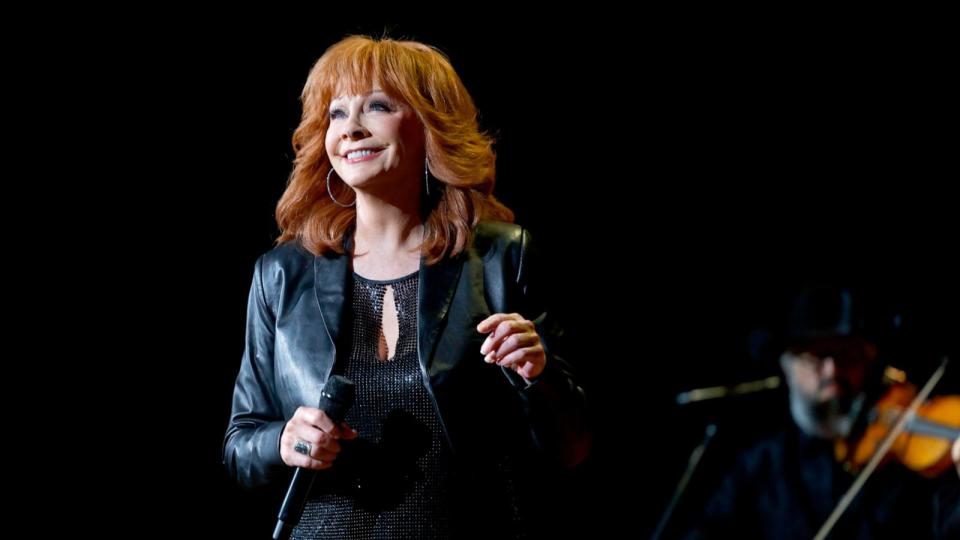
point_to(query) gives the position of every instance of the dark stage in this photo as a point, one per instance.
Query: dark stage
(679, 177)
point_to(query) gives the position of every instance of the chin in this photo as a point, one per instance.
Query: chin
(358, 181)
(825, 398)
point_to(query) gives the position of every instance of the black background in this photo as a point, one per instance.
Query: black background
(680, 173)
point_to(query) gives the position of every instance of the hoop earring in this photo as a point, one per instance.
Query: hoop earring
(426, 175)
(332, 198)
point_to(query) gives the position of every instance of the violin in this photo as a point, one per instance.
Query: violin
(925, 441)
(922, 435)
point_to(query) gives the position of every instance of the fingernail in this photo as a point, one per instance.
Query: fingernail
(488, 358)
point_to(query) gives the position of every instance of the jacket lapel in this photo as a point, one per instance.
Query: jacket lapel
(437, 286)
(330, 282)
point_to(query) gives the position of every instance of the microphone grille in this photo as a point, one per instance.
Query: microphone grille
(337, 397)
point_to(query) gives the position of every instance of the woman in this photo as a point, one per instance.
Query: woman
(397, 268)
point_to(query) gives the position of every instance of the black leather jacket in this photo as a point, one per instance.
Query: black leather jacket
(293, 338)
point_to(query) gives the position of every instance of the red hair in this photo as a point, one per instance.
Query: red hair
(460, 156)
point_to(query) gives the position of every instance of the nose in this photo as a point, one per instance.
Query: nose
(828, 368)
(355, 133)
(353, 130)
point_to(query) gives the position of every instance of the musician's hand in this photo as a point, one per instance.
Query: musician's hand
(955, 454)
(513, 342)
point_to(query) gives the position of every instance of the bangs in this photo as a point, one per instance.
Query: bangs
(356, 67)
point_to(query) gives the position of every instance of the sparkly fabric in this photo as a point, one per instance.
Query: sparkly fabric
(392, 481)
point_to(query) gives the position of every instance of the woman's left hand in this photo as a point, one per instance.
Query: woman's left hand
(513, 342)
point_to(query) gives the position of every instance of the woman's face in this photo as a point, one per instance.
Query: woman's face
(375, 142)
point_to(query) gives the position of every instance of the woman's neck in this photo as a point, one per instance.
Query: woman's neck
(386, 240)
(387, 226)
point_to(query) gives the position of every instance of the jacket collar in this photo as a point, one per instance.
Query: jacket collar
(437, 284)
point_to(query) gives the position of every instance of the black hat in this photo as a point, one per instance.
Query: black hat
(824, 312)
(811, 312)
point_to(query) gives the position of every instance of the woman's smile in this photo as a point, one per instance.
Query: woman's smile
(363, 155)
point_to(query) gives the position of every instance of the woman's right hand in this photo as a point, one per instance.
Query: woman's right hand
(313, 427)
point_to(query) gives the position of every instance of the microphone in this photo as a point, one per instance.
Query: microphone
(336, 398)
(714, 392)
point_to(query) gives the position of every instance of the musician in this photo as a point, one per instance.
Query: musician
(787, 485)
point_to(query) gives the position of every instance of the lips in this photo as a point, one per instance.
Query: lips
(375, 152)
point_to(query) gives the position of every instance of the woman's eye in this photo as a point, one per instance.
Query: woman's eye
(374, 105)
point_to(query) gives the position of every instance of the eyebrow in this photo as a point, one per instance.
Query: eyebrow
(370, 93)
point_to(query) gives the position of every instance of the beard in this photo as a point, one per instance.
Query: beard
(838, 405)
(830, 418)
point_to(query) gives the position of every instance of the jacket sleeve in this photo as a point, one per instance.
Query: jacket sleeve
(251, 446)
(555, 402)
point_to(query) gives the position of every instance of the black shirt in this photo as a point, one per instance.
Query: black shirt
(786, 486)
